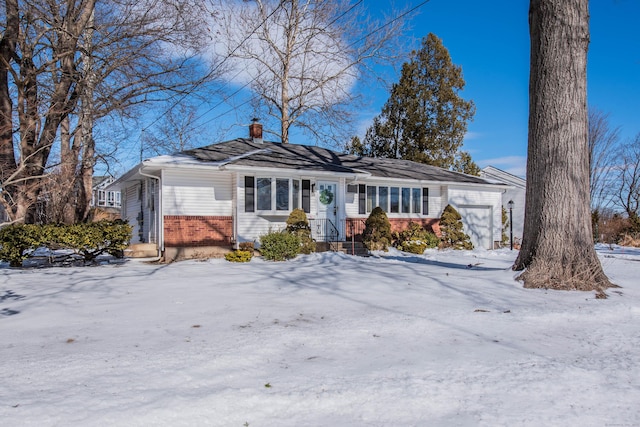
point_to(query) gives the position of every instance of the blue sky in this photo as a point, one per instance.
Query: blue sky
(490, 41)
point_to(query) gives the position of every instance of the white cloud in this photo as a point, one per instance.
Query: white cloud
(515, 165)
(318, 60)
(469, 136)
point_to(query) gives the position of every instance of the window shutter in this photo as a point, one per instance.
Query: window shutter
(362, 199)
(306, 195)
(425, 201)
(249, 191)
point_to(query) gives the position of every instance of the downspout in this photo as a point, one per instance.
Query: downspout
(160, 222)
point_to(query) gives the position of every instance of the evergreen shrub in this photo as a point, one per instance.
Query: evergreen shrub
(239, 256)
(415, 239)
(86, 239)
(279, 245)
(246, 246)
(451, 228)
(298, 224)
(377, 231)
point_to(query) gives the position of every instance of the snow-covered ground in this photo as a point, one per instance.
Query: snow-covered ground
(442, 339)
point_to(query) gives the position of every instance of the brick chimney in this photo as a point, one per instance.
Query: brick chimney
(255, 131)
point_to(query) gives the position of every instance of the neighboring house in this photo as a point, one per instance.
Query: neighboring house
(3, 215)
(235, 191)
(516, 193)
(101, 197)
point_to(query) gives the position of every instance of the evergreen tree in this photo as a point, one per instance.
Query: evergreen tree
(465, 164)
(356, 147)
(424, 119)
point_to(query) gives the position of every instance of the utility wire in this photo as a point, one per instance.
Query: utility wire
(216, 68)
(386, 24)
(225, 99)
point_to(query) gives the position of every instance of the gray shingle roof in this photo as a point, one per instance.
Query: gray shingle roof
(246, 152)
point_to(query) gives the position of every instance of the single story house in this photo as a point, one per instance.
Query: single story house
(516, 193)
(102, 198)
(198, 201)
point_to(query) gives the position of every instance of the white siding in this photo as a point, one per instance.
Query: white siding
(250, 226)
(197, 192)
(131, 209)
(479, 199)
(517, 194)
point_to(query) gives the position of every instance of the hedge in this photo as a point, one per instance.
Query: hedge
(89, 240)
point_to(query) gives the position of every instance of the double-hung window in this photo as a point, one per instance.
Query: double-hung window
(276, 195)
(263, 194)
(394, 200)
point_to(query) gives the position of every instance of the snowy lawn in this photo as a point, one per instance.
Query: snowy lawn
(443, 339)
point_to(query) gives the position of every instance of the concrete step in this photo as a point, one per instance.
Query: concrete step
(349, 248)
(141, 250)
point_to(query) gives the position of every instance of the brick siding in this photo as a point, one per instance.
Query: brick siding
(399, 224)
(356, 225)
(194, 231)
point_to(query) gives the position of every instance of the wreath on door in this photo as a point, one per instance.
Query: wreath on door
(326, 196)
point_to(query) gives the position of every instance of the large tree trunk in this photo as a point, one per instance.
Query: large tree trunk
(558, 250)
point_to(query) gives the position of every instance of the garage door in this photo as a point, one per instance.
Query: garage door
(477, 222)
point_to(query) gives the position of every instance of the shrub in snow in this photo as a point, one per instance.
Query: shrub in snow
(246, 246)
(87, 240)
(239, 256)
(451, 228)
(297, 224)
(415, 239)
(377, 231)
(16, 240)
(279, 245)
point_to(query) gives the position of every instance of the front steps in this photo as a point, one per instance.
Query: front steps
(141, 250)
(348, 247)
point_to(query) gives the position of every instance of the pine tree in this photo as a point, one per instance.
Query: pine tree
(356, 147)
(465, 164)
(424, 119)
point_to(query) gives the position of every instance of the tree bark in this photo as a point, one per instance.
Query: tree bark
(558, 249)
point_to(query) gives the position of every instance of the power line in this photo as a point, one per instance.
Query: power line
(349, 10)
(386, 24)
(216, 68)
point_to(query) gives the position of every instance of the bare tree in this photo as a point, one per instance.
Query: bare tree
(175, 132)
(628, 180)
(557, 248)
(65, 66)
(603, 141)
(302, 58)
(38, 62)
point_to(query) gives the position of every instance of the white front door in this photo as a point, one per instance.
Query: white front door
(327, 195)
